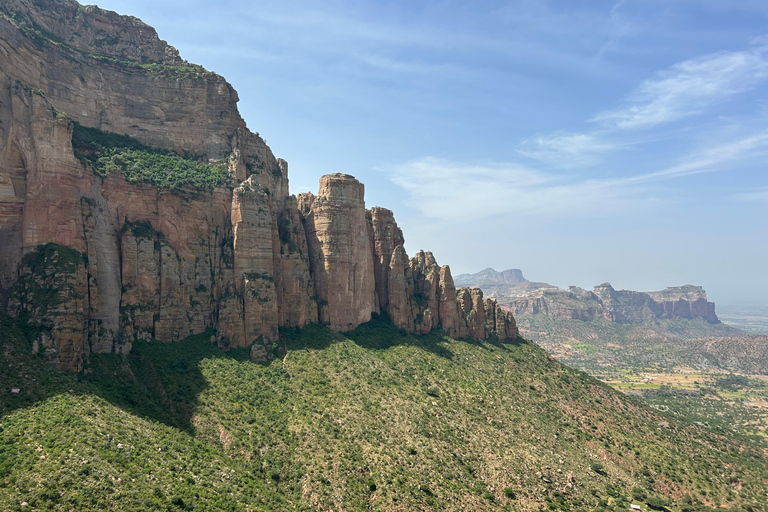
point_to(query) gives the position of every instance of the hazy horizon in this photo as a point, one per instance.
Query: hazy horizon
(621, 141)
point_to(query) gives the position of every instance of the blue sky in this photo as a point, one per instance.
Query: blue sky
(582, 142)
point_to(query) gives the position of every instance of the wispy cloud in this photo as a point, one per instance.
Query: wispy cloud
(683, 90)
(568, 150)
(758, 195)
(688, 88)
(461, 193)
(712, 159)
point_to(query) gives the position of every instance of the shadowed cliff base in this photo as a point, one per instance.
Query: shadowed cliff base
(157, 381)
(161, 381)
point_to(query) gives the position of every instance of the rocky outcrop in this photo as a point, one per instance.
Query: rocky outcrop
(449, 308)
(97, 263)
(400, 289)
(254, 232)
(296, 286)
(341, 253)
(422, 297)
(52, 293)
(620, 306)
(386, 236)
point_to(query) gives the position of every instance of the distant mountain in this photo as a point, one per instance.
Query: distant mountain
(620, 306)
(522, 297)
(490, 276)
(607, 328)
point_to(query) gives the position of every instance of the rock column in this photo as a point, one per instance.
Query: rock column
(341, 253)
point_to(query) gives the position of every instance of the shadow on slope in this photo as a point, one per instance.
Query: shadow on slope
(377, 334)
(157, 381)
(162, 381)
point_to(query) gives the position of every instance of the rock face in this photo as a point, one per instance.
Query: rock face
(341, 253)
(386, 236)
(97, 263)
(620, 306)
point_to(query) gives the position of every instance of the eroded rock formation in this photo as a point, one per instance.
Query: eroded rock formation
(340, 253)
(620, 306)
(96, 262)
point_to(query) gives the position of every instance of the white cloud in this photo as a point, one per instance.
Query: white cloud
(461, 193)
(688, 88)
(758, 195)
(567, 150)
(683, 90)
(712, 159)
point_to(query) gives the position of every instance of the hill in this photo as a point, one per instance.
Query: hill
(372, 419)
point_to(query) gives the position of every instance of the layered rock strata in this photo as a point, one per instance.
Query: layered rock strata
(620, 306)
(340, 252)
(96, 263)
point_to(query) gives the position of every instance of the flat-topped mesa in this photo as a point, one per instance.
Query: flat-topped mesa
(626, 306)
(620, 306)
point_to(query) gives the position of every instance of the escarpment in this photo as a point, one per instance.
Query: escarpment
(95, 257)
(620, 306)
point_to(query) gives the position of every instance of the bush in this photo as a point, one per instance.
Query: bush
(656, 503)
(108, 152)
(598, 468)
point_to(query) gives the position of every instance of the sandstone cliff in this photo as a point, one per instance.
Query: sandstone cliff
(96, 259)
(620, 306)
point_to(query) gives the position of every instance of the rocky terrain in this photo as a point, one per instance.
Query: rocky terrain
(620, 306)
(524, 297)
(95, 257)
(605, 330)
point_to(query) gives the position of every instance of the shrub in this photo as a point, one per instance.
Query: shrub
(108, 152)
(656, 503)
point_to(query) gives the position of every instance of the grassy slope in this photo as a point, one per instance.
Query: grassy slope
(368, 420)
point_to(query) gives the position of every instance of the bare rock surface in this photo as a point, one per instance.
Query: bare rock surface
(341, 253)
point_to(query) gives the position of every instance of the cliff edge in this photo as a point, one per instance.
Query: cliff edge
(136, 204)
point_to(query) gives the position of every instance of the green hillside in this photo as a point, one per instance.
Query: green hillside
(370, 420)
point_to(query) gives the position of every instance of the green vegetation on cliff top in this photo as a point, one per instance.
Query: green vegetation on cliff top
(108, 152)
(44, 40)
(368, 420)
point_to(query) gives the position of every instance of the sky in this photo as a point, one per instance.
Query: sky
(582, 142)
